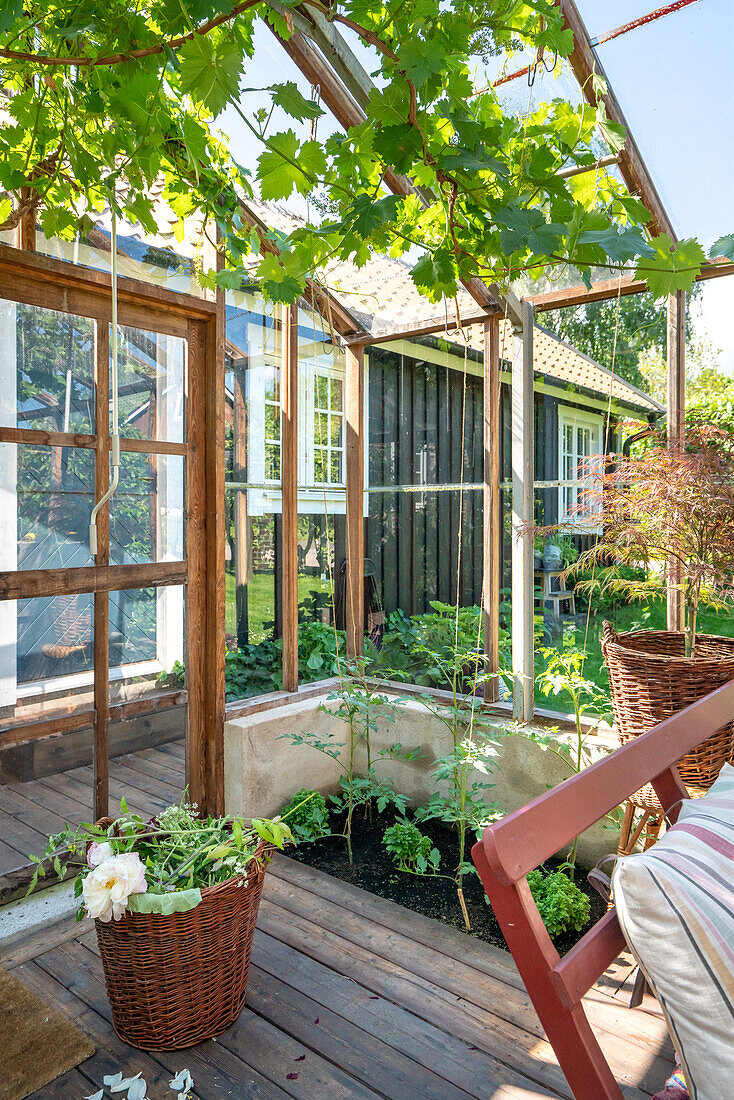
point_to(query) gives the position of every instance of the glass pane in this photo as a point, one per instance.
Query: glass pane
(321, 399)
(136, 258)
(337, 388)
(321, 595)
(55, 637)
(147, 510)
(45, 666)
(321, 429)
(152, 370)
(46, 369)
(272, 462)
(46, 496)
(424, 534)
(253, 549)
(147, 660)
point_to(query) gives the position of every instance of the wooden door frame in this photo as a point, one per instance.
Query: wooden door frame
(32, 279)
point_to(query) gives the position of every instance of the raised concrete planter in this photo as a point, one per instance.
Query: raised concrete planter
(263, 769)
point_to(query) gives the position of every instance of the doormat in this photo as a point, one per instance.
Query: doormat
(38, 1044)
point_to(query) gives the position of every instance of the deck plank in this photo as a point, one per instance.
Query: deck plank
(633, 1046)
(351, 997)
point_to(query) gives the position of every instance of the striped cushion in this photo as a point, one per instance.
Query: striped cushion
(675, 903)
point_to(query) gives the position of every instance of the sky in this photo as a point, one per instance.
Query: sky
(673, 81)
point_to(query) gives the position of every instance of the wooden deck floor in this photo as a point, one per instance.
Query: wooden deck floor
(350, 996)
(150, 780)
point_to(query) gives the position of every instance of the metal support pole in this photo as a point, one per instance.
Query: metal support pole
(676, 430)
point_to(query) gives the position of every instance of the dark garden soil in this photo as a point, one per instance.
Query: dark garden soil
(374, 870)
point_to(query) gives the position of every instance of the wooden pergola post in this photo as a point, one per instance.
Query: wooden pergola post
(241, 519)
(523, 476)
(289, 483)
(102, 599)
(676, 430)
(354, 406)
(492, 526)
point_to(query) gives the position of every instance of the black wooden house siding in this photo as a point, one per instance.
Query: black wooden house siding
(415, 438)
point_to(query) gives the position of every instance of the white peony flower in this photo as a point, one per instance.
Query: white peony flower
(107, 888)
(98, 853)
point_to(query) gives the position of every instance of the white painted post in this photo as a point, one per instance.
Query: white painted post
(8, 504)
(523, 476)
(170, 503)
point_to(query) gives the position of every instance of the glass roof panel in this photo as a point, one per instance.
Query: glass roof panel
(671, 78)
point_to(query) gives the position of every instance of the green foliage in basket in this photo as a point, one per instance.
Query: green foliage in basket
(561, 904)
(175, 851)
(308, 815)
(411, 849)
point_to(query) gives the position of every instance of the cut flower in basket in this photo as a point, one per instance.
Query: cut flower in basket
(160, 865)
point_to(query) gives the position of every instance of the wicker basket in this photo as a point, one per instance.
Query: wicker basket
(176, 980)
(651, 680)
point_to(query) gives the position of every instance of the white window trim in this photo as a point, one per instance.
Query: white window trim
(577, 418)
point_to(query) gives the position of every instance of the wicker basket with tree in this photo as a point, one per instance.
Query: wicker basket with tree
(667, 519)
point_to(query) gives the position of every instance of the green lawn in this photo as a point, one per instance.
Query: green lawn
(261, 602)
(650, 616)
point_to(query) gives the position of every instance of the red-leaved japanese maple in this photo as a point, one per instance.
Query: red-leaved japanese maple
(673, 503)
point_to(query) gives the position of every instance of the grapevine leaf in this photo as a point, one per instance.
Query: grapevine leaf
(673, 267)
(293, 103)
(620, 246)
(723, 247)
(210, 71)
(435, 274)
(287, 166)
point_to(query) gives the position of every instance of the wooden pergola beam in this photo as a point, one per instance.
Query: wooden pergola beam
(586, 64)
(580, 295)
(447, 323)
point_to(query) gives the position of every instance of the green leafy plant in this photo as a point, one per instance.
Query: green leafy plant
(410, 849)
(561, 904)
(458, 800)
(407, 649)
(257, 667)
(569, 550)
(674, 503)
(564, 672)
(357, 702)
(173, 852)
(307, 815)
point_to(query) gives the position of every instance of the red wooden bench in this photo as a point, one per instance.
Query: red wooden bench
(523, 840)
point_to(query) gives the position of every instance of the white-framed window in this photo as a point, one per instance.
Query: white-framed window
(326, 431)
(580, 438)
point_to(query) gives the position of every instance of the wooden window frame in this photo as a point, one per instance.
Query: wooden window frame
(31, 279)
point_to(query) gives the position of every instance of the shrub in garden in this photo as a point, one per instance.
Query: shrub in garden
(357, 700)
(675, 502)
(561, 904)
(307, 815)
(411, 849)
(257, 668)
